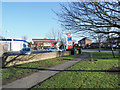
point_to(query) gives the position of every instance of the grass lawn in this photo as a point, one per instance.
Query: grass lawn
(104, 49)
(87, 74)
(13, 73)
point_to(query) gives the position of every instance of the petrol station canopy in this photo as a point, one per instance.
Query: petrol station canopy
(45, 40)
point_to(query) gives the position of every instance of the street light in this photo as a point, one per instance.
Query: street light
(6, 33)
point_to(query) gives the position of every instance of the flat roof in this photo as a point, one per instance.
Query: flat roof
(13, 40)
(45, 40)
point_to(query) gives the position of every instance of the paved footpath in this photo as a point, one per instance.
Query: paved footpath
(42, 75)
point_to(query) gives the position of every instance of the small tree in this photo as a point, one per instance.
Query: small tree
(54, 34)
(24, 37)
(1, 37)
(99, 38)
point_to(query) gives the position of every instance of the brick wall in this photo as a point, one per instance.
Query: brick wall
(87, 41)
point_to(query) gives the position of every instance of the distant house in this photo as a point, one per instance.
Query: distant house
(94, 45)
(114, 41)
(84, 42)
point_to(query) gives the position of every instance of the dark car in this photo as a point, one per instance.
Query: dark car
(26, 50)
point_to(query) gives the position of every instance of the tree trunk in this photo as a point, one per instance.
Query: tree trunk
(112, 51)
(111, 46)
(99, 47)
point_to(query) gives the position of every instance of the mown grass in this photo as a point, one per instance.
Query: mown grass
(87, 74)
(13, 73)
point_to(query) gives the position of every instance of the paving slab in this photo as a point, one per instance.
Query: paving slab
(42, 75)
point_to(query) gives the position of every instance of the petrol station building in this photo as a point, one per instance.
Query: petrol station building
(40, 43)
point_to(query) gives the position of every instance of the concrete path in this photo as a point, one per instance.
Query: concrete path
(42, 75)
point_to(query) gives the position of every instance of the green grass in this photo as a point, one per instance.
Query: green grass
(86, 74)
(13, 73)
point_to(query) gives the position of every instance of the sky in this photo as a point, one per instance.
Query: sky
(29, 19)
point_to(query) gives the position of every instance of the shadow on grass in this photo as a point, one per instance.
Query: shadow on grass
(66, 59)
(110, 58)
(72, 70)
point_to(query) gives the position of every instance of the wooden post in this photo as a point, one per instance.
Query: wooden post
(91, 57)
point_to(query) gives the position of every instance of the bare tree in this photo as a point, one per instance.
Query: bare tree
(99, 38)
(24, 37)
(90, 16)
(1, 37)
(111, 37)
(54, 34)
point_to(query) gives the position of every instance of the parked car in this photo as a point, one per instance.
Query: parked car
(53, 49)
(26, 50)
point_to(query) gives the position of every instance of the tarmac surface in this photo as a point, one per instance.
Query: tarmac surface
(101, 50)
(42, 75)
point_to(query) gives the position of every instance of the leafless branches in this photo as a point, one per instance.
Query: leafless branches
(54, 34)
(90, 16)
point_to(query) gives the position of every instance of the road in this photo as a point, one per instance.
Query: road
(97, 50)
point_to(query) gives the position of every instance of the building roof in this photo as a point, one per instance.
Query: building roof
(85, 39)
(45, 40)
(13, 40)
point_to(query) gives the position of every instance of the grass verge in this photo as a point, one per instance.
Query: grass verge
(87, 74)
(14, 73)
